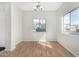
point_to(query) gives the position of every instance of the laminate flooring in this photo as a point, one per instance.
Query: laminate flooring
(38, 49)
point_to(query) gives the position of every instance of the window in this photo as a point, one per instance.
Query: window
(71, 22)
(67, 22)
(39, 25)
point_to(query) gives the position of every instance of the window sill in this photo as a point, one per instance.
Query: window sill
(70, 35)
(38, 32)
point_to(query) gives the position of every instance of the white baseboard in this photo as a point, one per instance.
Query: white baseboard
(39, 40)
(67, 48)
(18, 42)
(10, 49)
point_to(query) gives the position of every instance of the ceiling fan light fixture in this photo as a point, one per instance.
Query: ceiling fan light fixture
(37, 3)
(38, 7)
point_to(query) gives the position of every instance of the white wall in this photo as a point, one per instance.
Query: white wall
(51, 21)
(10, 25)
(16, 26)
(5, 24)
(2, 25)
(70, 42)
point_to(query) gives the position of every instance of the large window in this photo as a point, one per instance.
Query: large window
(71, 22)
(39, 25)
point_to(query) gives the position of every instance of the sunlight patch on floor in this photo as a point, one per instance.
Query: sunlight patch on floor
(44, 42)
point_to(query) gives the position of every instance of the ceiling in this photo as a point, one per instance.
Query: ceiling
(47, 6)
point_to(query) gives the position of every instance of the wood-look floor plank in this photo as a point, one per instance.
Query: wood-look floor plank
(34, 49)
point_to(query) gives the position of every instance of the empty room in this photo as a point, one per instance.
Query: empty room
(39, 29)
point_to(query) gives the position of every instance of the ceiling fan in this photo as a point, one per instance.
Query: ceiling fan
(38, 7)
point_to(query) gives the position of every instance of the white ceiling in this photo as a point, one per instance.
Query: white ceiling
(47, 6)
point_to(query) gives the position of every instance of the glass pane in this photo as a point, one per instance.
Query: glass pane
(75, 21)
(67, 22)
(36, 23)
(66, 18)
(39, 25)
(43, 25)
